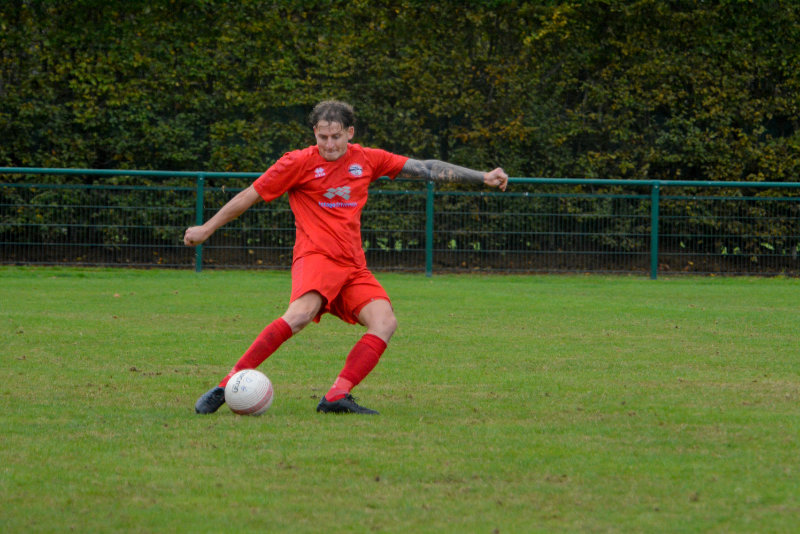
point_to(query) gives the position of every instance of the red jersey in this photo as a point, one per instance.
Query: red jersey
(327, 197)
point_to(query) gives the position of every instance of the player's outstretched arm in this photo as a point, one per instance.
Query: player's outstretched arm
(196, 235)
(441, 171)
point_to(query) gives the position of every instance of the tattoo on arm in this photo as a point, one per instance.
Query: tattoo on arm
(439, 171)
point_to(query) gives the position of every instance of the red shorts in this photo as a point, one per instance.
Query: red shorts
(345, 289)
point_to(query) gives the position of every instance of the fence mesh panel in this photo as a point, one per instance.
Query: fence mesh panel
(534, 227)
(95, 225)
(728, 232)
(556, 230)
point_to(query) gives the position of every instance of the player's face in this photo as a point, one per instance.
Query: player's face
(332, 139)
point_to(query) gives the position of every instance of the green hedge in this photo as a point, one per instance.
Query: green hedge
(597, 88)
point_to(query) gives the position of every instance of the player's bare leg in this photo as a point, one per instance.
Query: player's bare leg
(303, 310)
(378, 316)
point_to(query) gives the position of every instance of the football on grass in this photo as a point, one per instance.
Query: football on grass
(249, 392)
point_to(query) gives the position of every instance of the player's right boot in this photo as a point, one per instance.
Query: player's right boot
(210, 401)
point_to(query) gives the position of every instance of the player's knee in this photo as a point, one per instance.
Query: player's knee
(385, 325)
(302, 311)
(391, 324)
(379, 319)
(297, 319)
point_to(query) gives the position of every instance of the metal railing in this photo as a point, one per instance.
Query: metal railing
(137, 218)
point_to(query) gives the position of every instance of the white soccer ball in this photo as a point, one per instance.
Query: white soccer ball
(249, 392)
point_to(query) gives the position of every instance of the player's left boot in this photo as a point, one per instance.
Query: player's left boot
(347, 404)
(210, 401)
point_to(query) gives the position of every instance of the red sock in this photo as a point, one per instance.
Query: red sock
(340, 388)
(262, 348)
(362, 359)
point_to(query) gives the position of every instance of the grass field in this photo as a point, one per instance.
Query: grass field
(508, 404)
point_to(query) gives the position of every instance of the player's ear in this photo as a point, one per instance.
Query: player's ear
(351, 131)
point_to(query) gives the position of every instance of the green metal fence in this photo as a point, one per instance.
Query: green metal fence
(137, 218)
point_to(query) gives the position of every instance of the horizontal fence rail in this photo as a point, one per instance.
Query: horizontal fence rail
(137, 218)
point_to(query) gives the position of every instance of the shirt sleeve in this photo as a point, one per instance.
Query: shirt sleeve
(280, 177)
(384, 163)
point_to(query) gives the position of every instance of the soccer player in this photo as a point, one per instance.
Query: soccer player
(327, 186)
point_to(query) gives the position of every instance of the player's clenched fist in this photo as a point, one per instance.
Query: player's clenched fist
(496, 178)
(194, 236)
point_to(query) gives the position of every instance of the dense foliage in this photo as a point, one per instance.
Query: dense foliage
(597, 88)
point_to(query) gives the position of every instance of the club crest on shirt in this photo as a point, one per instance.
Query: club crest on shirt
(319, 172)
(355, 169)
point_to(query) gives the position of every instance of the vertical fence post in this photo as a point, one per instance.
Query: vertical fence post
(654, 198)
(429, 230)
(198, 219)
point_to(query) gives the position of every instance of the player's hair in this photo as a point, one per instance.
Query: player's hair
(333, 111)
